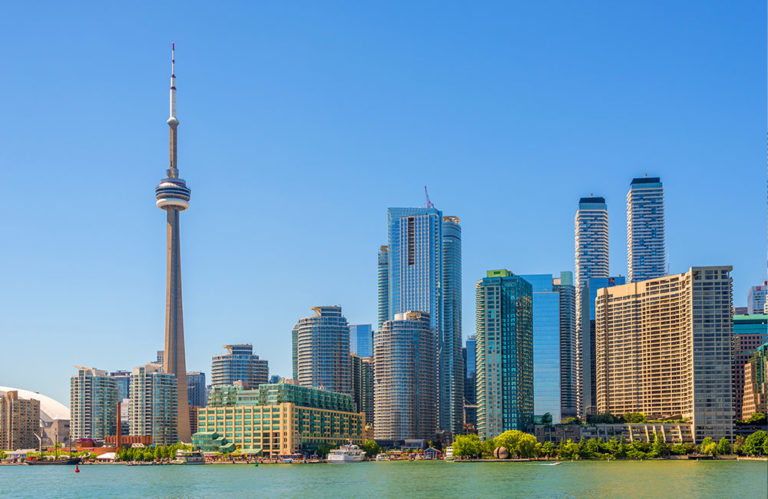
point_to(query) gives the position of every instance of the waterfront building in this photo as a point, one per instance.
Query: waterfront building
(504, 353)
(283, 419)
(173, 196)
(322, 351)
(749, 332)
(153, 409)
(361, 339)
(664, 349)
(756, 299)
(756, 383)
(405, 380)
(569, 392)
(591, 258)
(646, 254)
(93, 402)
(586, 377)
(451, 369)
(423, 250)
(470, 385)
(197, 391)
(551, 328)
(122, 382)
(19, 421)
(362, 385)
(670, 433)
(54, 417)
(295, 353)
(239, 364)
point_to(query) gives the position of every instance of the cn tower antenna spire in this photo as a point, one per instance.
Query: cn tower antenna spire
(173, 122)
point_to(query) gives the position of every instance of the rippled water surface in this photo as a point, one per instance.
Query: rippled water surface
(719, 479)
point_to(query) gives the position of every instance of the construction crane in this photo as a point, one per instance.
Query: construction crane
(429, 203)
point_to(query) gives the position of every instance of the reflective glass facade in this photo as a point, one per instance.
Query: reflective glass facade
(451, 383)
(93, 402)
(196, 388)
(756, 299)
(361, 339)
(749, 332)
(239, 364)
(153, 409)
(322, 351)
(504, 353)
(646, 254)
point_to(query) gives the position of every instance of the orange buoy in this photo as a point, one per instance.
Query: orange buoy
(77, 469)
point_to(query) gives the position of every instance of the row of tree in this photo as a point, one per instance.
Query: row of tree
(150, 453)
(525, 445)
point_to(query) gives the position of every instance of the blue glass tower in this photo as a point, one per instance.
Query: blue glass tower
(361, 339)
(646, 256)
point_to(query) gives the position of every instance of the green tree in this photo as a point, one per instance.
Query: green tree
(708, 446)
(659, 448)
(756, 418)
(634, 417)
(371, 448)
(723, 447)
(467, 446)
(323, 450)
(489, 445)
(526, 445)
(548, 449)
(753, 445)
(510, 439)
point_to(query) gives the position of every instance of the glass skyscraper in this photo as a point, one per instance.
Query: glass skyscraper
(504, 353)
(470, 383)
(568, 345)
(239, 364)
(153, 410)
(405, 381)
(646, 256)
(422, 265)
(756, 299)
(196, 389)
(361, 339)
(322, 351)
(93, 399)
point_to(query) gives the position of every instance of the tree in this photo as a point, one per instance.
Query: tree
(753, 445)
(489, 445)
(371, 448)
(548, 449)
(738, 444)
(509, 439)
(660, 448)
(756, 418)
(634, 417)
(723, 447)
(573, 420)
(546, 418)
(323, 450)
(708, 446)
(526, 445)
(467, 446)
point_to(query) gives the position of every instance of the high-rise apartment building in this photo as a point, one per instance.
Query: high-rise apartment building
(749, 332)
(566, 292)
(93, 402)
(423, 267)
(153, 409)
(646, 253)
(239, 364)
(19, 421)
(755, 398)
(586, 373)
(664, 349)
(551, 328)
(322, 351)
(756, 299)
(173, 196)
(504, 353)
(405, 365)
(383, 286)
(122, 382)
(197, 390)
(470, 384)
(361, 339)
(295, 353)
(362, 385)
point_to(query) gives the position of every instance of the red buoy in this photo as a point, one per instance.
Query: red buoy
(77, 469)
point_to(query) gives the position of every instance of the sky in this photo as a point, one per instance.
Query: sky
(302, 122)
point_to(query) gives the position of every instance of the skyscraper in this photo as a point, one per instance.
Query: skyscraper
(504, 353)
(405, 364)
(196, 389)
(755, 396)
(173, 196)
(19, 421)
(646, 257)
(361, 339)
(239, 364)
(122, 381)
(664, 349)
(322, 351)
(749, 332)
(424, 249)
(451, 382)
(756, 299)
(362, 385)
(568, 345)
(470, 380)
(153, 409)
(552, 337)
(93, 402)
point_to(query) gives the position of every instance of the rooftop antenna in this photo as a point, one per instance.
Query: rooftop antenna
(429, 203)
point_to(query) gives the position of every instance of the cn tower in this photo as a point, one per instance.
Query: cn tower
(173, 196)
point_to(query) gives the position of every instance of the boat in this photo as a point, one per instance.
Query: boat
(551, 464)
(382, 457)
(349, 453)
(189, 457)
(48, 462)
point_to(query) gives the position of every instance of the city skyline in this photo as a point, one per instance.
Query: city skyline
(87, 287)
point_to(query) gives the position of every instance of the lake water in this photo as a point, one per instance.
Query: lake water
(716, 479)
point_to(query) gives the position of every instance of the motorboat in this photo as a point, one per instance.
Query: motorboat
(349, 453)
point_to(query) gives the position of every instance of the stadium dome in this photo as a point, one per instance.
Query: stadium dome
(49, 408)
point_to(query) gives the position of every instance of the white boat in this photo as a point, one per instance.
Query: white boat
(349, 453)
(382, 457)
(189, 457)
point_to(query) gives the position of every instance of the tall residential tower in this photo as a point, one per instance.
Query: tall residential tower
(646, 257)
(173, 196)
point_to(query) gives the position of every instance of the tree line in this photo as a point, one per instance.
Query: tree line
(525, 445)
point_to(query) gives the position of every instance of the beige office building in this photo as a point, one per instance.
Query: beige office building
(664, 349)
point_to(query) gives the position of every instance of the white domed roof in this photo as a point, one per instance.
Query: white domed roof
(49, 408)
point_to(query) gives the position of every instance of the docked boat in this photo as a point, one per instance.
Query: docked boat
(349, 453)
(189, 457)
(48, 462)
(382, 457)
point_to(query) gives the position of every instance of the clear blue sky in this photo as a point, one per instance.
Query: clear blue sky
(301, 122)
